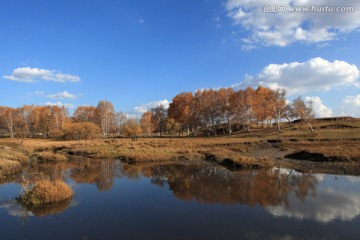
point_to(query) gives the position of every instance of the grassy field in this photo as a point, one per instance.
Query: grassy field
(331, 141)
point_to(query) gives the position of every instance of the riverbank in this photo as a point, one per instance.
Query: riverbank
(334, 147)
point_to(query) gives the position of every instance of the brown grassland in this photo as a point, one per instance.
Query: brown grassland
(333, 147)
(9, 167)
(48, 156)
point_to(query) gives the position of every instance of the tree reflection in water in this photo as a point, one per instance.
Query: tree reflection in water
(99, 172)
(209, 184)
(212, 184)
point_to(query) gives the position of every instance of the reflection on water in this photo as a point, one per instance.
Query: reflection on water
(212, 185)
(99, 172)
(333, 200)
(280, 193)
(15, 209)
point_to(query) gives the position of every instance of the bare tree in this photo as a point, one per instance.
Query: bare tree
(304, 111)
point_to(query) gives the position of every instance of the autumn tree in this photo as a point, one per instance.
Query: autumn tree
(179, 110)
(85, 114)
(82, 130)
(8, 118)
(25, 117)
(73, 131)
(158, 118)
(42, 120)
(146, 123)
(209, 110)
(105, 115)
(224, 96)
(132, 128)
(21, 128)
(195, 116)
(90, 131)
(58, 117)
(262, 101)
(172, 126)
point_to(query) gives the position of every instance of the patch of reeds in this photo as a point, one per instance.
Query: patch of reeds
(49, 157)
(14, 154)
(46, 192)
(9, 167)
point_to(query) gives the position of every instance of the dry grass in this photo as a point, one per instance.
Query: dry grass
(9, 167)
(335, 151)
(49, 157)
(45, 192)
(14, 153)
(331, 138)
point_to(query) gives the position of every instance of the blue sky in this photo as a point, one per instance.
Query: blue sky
(137, 53)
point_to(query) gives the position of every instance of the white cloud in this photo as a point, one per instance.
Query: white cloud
(139, 110)
(351, 106)
(15, 210)
(328, 205)
(60, 77)
(148, 106)
(60, 104)
(62, 95)
(284, 28)
(319, 108)
(316, 74)
(37, 93)
(29, 75)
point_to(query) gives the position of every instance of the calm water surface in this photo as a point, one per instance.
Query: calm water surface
(173, 201)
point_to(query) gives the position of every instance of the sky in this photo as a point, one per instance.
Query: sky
(141, 53)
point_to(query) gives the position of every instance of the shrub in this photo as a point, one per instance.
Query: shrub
(78, 131)
(45, 192)
(56, 134)
(9, 167)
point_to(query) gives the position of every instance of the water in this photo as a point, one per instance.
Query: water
(173, 201)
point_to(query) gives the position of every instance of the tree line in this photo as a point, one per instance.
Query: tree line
(208, 111)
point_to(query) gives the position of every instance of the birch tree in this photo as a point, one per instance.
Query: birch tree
(278, 106)
(304, 111)
(119, 121)
(7, 116)
(105, 115)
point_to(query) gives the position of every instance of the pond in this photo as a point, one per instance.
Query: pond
(183, 201)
